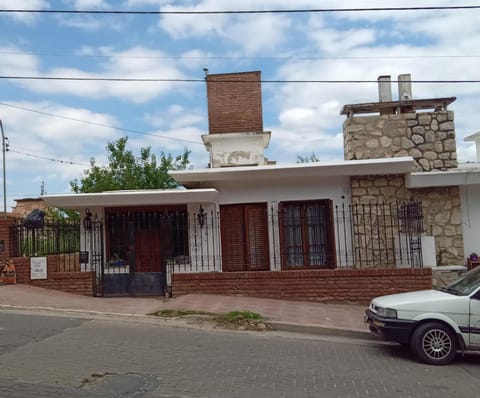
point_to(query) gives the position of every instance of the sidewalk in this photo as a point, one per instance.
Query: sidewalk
(292, 316)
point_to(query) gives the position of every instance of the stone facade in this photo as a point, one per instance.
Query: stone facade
(441, 210)
(429, 137)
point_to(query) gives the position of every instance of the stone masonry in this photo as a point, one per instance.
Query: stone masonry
(441, 210)
(429, 137)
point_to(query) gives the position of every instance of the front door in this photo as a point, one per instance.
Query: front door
(139, 243)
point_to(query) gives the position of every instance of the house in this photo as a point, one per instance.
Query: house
(247, 225)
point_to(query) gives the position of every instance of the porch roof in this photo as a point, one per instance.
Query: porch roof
(366, 167)
(133, 197)
(465, 174)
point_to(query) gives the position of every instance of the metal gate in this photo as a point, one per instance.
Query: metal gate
(137, 246)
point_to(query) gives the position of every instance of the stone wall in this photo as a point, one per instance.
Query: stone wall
(329, 286)
(428, 137)
(441, 210)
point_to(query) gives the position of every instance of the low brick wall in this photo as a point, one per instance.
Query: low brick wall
(70, 282)
(334, 286)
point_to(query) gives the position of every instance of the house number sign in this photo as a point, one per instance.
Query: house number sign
(38, 268)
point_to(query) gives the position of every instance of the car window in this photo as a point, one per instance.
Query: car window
(466, 284)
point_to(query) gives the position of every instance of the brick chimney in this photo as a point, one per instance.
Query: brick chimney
(235, 121)
(234, 102)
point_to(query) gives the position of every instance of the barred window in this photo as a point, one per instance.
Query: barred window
(307, 234)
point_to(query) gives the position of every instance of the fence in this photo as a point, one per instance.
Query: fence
(60, 238)
(382, 234)
(314, 236)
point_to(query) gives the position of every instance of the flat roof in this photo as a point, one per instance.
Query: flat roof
(473, 137)
(133, 198)
(414, 104)
(466, 174)
(385, 166)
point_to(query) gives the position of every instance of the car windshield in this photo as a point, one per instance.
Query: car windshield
(466, 284)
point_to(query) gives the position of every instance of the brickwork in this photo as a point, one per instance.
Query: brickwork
(428, 137)
(234, 103)
(329, 286)
(70, 282)
(441, 210)
(5, 235)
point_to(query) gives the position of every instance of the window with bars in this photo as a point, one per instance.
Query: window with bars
(244, 230)
(307, 234)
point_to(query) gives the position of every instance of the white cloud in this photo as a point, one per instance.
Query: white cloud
(134, 63)
(90, 4)
(24, 5)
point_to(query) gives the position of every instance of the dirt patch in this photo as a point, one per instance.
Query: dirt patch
(234, 320)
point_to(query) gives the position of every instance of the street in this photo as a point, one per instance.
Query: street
(57, 356)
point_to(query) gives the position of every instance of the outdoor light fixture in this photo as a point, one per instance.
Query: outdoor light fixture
(202, 216)
(87, 220)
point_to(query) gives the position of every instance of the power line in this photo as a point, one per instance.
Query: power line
(48, 158)
(222, 57)
(98, 124)
(163, 80)
(212, 12)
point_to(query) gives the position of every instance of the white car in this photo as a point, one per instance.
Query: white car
(434, 323)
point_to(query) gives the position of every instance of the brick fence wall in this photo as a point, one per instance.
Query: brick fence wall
(335, 286)
(70, 282)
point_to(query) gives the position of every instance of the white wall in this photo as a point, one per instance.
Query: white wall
(336, 189)
(86, 244)
(470, 197)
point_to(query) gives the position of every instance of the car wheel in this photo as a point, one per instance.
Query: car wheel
(434, 343)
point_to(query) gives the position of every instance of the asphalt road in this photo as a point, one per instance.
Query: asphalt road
(56, 356)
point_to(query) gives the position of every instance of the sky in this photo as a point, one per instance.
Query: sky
(55, 128)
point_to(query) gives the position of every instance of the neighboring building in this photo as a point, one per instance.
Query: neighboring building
(245, 213)
(27, 205)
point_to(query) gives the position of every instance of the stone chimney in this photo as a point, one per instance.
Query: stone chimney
(235, 121)
(421, 128)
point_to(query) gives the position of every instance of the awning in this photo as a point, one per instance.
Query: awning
(132, 198)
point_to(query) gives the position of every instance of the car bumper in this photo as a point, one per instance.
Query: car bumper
(389, 329)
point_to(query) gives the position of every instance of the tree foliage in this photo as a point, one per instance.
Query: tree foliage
(59, 215)
(127, 171)
(308, 159)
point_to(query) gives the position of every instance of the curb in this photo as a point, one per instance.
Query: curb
(277, 326)
(321, 330)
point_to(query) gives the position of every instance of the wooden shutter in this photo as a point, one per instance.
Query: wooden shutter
(244, 231)
(256, 220)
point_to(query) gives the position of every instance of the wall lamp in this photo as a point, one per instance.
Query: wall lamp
(201, 216)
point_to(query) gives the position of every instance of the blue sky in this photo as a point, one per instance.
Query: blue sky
(303, 118)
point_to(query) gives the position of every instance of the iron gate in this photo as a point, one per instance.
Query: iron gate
(137, 246)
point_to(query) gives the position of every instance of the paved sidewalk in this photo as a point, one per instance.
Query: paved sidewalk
(294, 316)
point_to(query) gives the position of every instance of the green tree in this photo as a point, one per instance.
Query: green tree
(126, 171)
(59, 214)
(308, 159)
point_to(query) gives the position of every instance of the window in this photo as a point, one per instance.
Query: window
(244, 231)
(307, 234)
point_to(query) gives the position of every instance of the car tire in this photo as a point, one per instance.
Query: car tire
(434, 343)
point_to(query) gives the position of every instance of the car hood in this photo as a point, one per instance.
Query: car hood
(423, 300)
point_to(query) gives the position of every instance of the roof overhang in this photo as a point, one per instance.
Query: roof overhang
(455, 177)
(400, 165)
(132, 198)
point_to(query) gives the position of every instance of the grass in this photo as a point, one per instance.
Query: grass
(238, 316)
(242, 320)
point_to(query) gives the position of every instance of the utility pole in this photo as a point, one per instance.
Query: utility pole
(4, 149)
